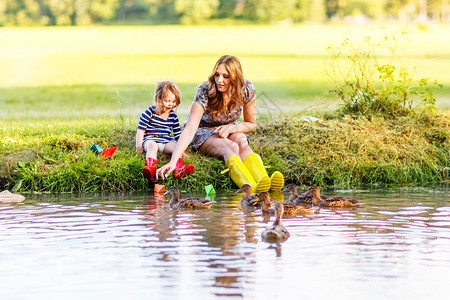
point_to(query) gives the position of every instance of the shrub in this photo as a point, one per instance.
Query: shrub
(370, 78)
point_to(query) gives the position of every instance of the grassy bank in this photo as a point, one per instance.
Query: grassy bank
(63, 89)
(335, 152)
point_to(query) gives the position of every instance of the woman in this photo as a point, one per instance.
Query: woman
(211, 127)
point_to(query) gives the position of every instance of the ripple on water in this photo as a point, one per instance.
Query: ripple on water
(397, 246)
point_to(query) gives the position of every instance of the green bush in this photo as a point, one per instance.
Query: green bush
(370, 79)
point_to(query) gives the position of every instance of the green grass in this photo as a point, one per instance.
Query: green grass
(69, 73)
(336, 152)
(62, 89)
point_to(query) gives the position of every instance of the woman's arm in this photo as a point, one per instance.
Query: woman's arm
(139, 139)
(183, 142)
(249, 124)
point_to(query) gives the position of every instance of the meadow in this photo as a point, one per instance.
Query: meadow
(63, 89)
(83, 72)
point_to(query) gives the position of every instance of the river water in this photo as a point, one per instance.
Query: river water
(132, 246)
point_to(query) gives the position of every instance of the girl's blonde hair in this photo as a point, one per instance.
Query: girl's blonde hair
(161, 90)
(233, 66)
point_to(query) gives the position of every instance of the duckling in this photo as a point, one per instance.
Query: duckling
(191, 202)
(248, 200)
(276, 232)
(334, 201)
(297, 199)
(289, 208)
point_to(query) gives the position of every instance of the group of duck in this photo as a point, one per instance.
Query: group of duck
(307, 203)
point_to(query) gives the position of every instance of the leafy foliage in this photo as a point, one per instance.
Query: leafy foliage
(82, 12)
(370, 78)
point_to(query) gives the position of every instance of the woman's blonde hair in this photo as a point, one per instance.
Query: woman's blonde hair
(161, 90)
(233, 66)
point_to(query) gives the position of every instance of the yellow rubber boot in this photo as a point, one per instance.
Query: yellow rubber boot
(239, 173)
(276, 181)
(255, 166)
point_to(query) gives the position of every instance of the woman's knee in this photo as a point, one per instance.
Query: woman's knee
(233, 146)
(242, 142)
(220, 147)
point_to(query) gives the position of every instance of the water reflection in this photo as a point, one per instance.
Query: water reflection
(133, 245)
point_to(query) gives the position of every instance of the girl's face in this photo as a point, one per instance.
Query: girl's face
(222, 79)
(168, 102)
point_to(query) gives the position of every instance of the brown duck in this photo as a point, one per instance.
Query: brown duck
(248, 200)
(276, 232)
(294, 197)
(334, 201)
(289, 208)
(191, 202)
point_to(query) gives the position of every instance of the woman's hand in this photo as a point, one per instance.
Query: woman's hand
(224, 131)
(165, 170)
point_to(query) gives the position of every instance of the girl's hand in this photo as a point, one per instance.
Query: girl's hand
(139, 149)
(165, 170)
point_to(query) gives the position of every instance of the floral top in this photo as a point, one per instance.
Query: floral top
(211, 120)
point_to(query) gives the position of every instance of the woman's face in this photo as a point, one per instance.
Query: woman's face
(168, 101)
(222, 79)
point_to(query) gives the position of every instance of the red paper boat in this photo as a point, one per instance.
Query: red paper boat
(108, 152)
(159, 188)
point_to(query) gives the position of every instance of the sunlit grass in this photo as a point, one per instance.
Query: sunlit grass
(62, 72)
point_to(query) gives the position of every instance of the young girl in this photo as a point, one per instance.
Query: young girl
(155, 128)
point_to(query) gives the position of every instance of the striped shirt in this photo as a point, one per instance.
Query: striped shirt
(157, 129)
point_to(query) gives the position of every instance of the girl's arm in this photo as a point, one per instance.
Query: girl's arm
(249, 124)
(183, 142)
(139, 139)
(176, 129)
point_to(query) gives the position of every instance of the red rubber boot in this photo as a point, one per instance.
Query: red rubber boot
(150, 169)
(182, 171)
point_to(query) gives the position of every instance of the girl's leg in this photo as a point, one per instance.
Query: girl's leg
(169, 147)
(180, 169)
(149, 170)
(151, 149)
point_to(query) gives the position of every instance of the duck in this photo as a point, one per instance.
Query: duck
(276, 232)
(289, 208)
(333, 201)
(191, 202)
(295, 198)
(248, 200)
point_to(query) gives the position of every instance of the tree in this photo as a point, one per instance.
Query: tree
(60, 12)
(195, 11)
(103, 10)
(268, 10)
(310, 10)
(227, 8)
(22, 13)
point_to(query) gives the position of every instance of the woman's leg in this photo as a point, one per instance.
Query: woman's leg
(241, 140)
(229, 150)
(253, 162)
(217, 146)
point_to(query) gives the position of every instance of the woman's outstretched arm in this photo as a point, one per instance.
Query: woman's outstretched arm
(183, 142)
